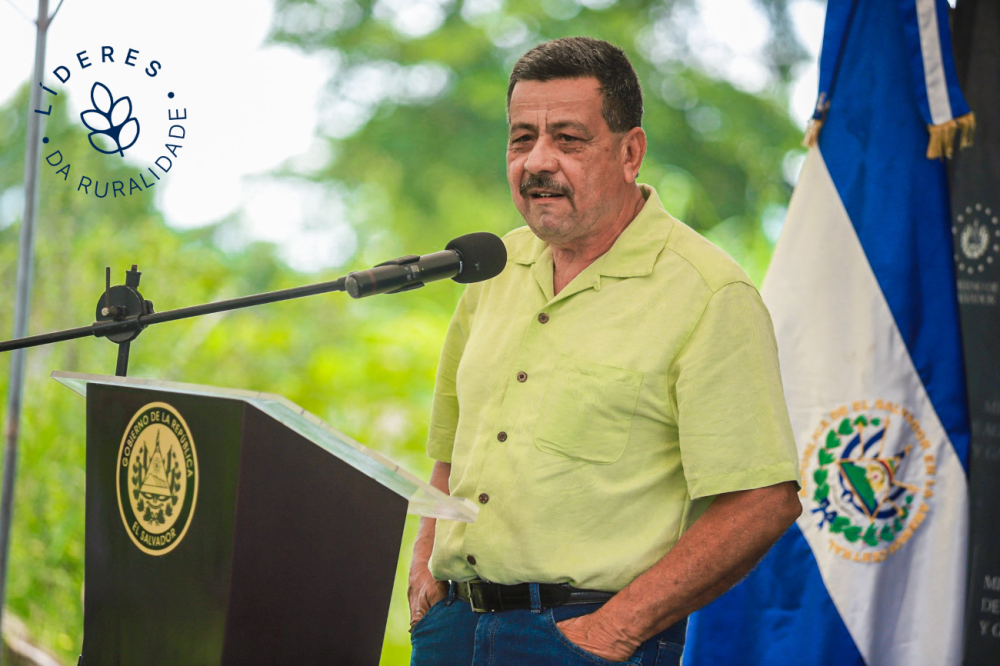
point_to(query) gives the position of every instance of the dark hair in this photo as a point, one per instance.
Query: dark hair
(578, 57)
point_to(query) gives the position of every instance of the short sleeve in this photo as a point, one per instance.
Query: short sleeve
(732, 420)
(444, 408)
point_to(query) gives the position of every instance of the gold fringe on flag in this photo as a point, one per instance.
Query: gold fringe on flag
(816, 124)
(942, 139)
(967, 124)
(812, 132)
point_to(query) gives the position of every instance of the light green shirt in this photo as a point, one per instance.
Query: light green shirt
(594, 426)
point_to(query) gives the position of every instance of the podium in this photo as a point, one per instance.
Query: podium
(233, 527)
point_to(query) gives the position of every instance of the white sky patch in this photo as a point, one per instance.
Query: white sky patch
(412, 18)
(725, 38)
(728, 38)
(808, 17)
(308, 221)
(347, 104)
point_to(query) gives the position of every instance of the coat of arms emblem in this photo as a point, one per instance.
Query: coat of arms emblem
(868, 476)
(977, 234)
(157, 478)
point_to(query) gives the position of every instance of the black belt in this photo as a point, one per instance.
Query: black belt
(486, 597)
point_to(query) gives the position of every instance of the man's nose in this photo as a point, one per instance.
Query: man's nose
(542, 158)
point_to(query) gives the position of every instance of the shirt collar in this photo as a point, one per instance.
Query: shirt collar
(634, 251)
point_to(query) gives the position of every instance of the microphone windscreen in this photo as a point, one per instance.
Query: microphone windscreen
(484, 256)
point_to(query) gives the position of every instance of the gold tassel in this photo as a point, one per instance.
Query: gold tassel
(942, 139)
(816, 124)
(812, 132)
(967, 124)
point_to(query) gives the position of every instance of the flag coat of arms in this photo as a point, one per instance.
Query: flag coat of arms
(861, 290)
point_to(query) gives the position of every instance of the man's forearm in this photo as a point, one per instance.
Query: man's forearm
(719, 549)
(424, 543)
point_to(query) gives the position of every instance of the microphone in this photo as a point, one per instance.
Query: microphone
(470, 258)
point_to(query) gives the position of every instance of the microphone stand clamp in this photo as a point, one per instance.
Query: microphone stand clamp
(117, 304)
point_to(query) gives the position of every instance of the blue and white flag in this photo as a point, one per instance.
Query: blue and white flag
(861, 290)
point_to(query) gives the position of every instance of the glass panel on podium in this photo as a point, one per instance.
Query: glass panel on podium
(423, 499)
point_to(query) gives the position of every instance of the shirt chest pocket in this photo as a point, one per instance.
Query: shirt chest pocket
(587, 411)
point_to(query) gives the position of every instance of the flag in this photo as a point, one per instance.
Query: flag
(861, 289)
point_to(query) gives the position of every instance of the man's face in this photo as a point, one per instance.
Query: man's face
(564, 165)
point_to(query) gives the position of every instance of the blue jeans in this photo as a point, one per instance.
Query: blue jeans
(451, 634)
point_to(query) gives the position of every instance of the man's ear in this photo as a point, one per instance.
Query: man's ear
(633, 148)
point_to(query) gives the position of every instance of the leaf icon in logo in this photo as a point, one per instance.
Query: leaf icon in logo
(128, 133)
(96, 121)
(112, 127)
(121, 111)
(101, 97)
(103, 143)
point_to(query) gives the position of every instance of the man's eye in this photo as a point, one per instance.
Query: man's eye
(567, 137)
(521, 139)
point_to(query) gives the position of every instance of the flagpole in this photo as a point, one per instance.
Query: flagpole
(25, 263)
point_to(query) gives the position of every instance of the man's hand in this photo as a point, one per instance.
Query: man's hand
(596, 639)
(423, 593)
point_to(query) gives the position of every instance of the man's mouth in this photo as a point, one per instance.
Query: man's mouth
(541, 187)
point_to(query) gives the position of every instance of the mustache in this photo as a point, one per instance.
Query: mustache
(543, 181)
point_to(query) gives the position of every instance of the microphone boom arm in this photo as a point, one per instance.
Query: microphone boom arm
(131, 325)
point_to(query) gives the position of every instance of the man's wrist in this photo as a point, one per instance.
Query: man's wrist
(616, 620)
(419, 571)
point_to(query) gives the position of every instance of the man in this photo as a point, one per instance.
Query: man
(612, 403)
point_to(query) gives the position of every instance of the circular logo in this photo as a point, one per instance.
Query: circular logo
(977, 235)
(127, 108)
(868, 473)
(157, 478)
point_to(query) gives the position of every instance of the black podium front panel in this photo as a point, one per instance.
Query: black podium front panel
(218, 535)
(316, 548)
(159, 609)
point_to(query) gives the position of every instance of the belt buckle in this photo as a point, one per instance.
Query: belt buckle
(476, 595)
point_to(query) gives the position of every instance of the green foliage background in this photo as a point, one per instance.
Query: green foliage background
(416, 172)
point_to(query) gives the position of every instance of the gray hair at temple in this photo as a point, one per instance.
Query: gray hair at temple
(579, 57)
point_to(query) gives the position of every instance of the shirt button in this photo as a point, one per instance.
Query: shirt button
(484, 498)
(471, 559)
(502, 436)
(543, 318)
(522, 376)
